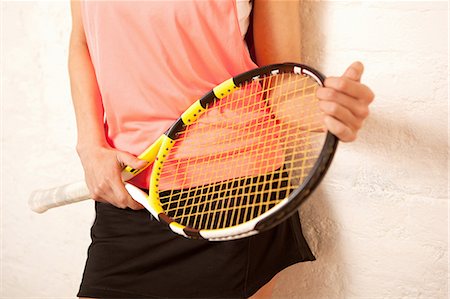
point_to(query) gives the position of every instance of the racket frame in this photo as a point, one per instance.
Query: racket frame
(270, 218)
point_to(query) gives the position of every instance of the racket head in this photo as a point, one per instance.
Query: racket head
(202, 183)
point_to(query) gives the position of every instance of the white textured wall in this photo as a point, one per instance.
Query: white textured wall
(378, 224)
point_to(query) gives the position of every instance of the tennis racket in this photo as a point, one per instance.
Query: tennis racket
(237, 162)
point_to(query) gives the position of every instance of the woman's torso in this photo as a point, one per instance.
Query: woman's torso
(153, 59)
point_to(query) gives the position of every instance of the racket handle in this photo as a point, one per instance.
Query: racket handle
(42, 200)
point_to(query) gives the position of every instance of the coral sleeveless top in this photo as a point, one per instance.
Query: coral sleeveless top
(153, 59)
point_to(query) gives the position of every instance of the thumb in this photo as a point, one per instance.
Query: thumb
(354, 71)
(126, 159)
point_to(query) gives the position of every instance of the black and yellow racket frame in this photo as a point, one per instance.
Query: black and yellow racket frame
(189, 117)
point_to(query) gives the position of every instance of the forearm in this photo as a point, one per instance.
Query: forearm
(86, 97)
(277, 32)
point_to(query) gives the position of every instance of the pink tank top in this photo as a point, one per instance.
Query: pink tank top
(153, 59)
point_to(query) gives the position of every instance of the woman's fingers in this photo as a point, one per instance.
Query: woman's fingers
(103, 171)
(121, 197)
(341, 113)
(339, 129)
(125, 159)
(357, 108)
(351, 88)
(354, 71)
(345, 102)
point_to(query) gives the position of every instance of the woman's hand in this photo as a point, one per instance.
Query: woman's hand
(345, 102)
(102, 169)
(102, 164)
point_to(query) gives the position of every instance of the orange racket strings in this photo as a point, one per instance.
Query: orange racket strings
(246, 154)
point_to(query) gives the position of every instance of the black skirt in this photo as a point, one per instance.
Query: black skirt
(132, 255)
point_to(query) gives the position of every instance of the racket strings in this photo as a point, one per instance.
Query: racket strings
(246, 199)
(306, 154)
(208, 202)
(251, 149)
(305, 165)
(251, 132)
(196, 208)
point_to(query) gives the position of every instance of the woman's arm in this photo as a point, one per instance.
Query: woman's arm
(276, 31)
(102, 164)
(277, 36)
(85, 92)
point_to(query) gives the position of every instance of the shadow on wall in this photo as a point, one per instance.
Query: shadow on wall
(322, 278)
(325, 277)
(312, 16)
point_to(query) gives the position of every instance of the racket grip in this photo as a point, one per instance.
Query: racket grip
(42, 200)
